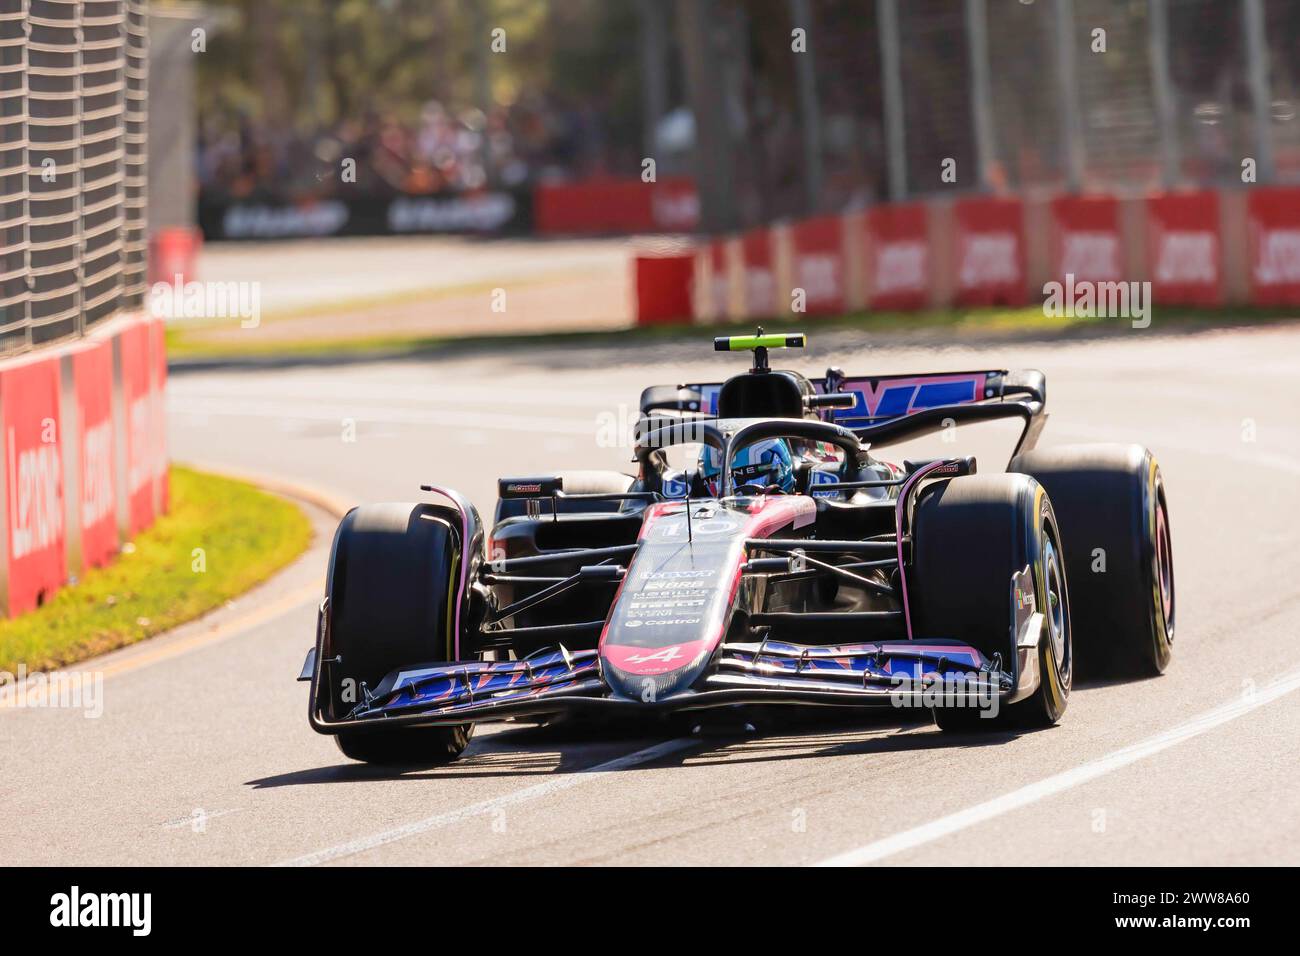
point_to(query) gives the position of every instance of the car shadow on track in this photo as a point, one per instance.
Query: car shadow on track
(564, 748)
(820, 735)
(514, 750)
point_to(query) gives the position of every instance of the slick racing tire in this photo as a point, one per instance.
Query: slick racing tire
(1114, 519)
(393, 578)
(970, 536)
(575, 483)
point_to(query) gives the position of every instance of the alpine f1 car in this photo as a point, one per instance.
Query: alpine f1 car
(760, 555)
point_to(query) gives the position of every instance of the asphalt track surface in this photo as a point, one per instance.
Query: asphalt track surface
(203, 753)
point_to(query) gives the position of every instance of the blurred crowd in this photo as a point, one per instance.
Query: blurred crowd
(441, 151)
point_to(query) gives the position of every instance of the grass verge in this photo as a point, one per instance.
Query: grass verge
(987, 322)
(245, 535)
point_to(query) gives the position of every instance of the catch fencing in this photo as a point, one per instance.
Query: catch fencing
(904, 100)
(73, 116)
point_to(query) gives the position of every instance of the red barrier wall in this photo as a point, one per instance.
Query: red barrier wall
(719, 280)
(1273, 230)
(663, 288)
(1197, 248)
(158, 384)
(137, 395)
(1086, 241)
(990, 252)
(899, 257)
(674, 206)
(33, 458)
(616, 206)
(174, 251)
(1183, 248)
(819, 268)
(760, 274)
(92, 366)
(39, 496)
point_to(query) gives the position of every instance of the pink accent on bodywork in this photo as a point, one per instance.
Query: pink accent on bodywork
(461, 505)
(647, 661)
(772, 513)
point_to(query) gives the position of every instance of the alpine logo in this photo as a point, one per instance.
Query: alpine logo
(666, 654)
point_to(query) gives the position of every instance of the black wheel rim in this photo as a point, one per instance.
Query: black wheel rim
(1165, 569)
(1055, 609)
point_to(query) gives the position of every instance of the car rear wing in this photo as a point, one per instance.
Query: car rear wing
(889, 408)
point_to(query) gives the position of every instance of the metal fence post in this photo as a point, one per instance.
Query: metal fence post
(135, 139)
(1260, 95)
(483, 78)
(654, 72)
(809, 109)
(1163, 89)
(892, 82)
(713, 153)
(15, 261)
(977, 46)
(79, 202)
(1068, 90)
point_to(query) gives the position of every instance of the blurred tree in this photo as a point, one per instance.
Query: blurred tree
(299, 62)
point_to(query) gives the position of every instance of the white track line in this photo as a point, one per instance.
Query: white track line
(982, 812)
(553, 785)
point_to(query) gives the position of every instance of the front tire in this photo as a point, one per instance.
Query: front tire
(971, 535)
(393, 581)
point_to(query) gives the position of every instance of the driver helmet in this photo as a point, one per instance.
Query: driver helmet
(766, 462)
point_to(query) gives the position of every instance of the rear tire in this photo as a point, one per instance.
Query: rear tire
(1110, 500)
(970, 536)
(393, 581)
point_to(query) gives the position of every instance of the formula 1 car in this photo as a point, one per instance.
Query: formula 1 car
(760, 555)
